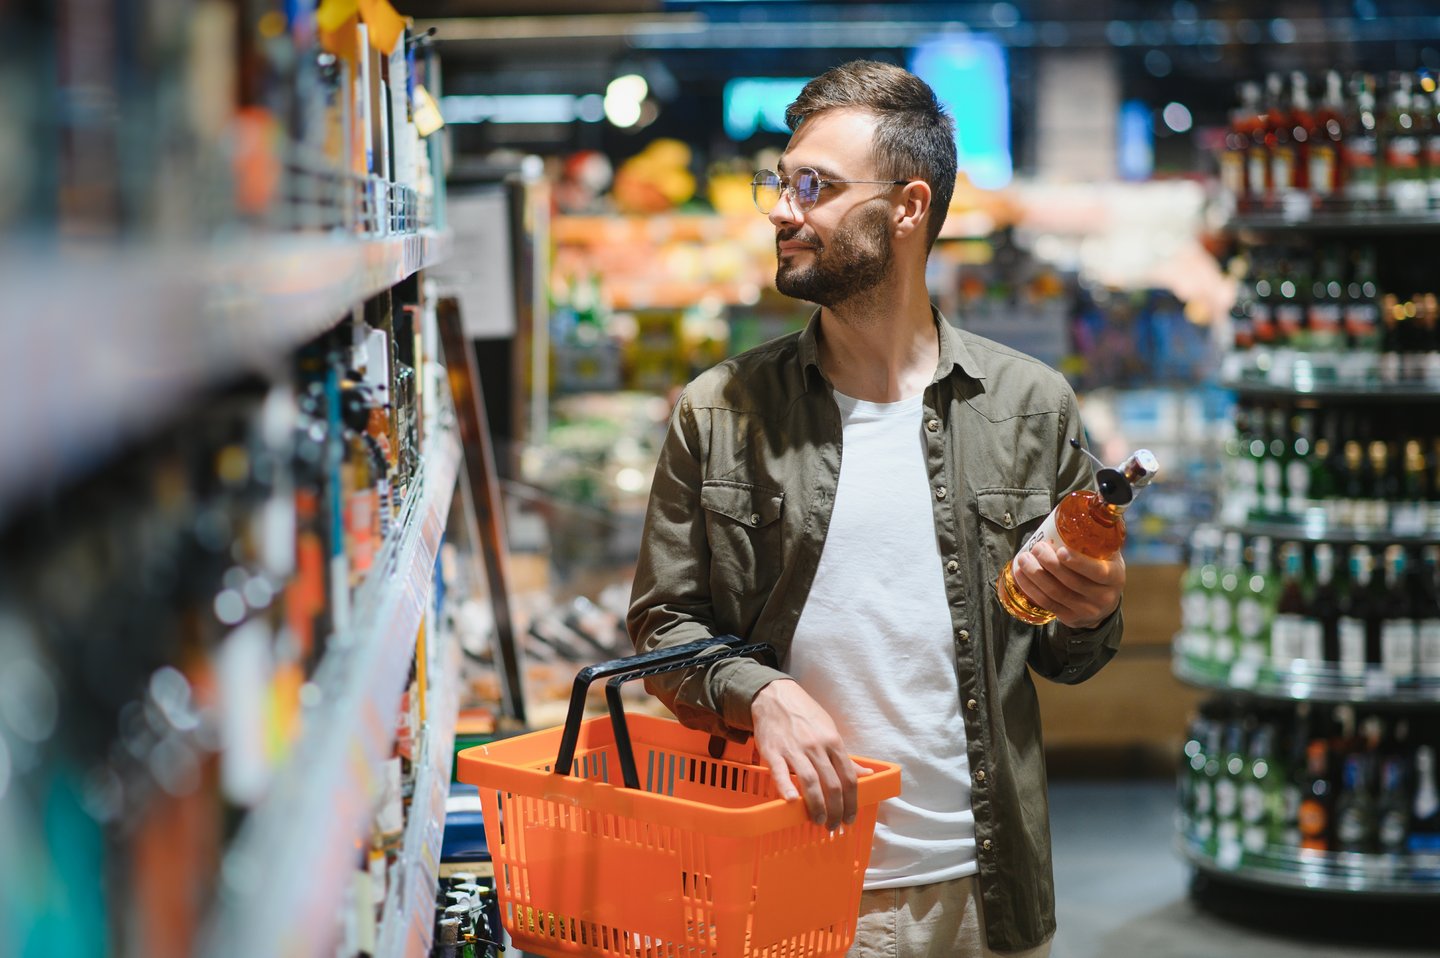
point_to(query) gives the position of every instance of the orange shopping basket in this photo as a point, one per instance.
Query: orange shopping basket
(702, 859)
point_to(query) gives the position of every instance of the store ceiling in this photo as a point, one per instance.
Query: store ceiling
(1195, 49)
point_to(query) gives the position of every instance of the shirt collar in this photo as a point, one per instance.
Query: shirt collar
(953, 352)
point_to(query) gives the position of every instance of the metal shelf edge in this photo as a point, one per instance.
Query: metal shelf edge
(288, 869)
(1312, 876)
(407, 927)
(1373, 688)
(104, 341)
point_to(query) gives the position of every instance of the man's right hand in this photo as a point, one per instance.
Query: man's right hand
(793, 734)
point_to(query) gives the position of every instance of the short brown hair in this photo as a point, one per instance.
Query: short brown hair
(914, 137)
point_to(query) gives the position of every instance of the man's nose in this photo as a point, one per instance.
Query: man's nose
(786, 209)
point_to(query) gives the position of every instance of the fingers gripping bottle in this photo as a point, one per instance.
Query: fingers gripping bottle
(1086, 521)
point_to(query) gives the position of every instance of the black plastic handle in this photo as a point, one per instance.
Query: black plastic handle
(646, 664)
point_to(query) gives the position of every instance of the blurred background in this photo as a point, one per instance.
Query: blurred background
(340, 337)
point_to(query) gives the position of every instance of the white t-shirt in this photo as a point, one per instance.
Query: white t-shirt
(874, 645)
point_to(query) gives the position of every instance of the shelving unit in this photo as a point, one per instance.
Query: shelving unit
(1294, 380)
(159, 324)
(287, 866)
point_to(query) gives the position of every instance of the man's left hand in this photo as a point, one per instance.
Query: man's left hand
(1081, 591)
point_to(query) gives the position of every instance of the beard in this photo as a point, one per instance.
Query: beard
(857, 260)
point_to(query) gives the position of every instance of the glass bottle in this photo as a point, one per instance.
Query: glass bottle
(1257, 157)
(1255, 606)
(1289, 118)
(1427, 614)
(1321, 635)
(1287, 633)
(1424, 838)
(1326, 137)
(1355, 806)
(1317, 799)
(1360, 146)
(1226, 641)
(1356, 614)
(1086, 521)
(1260, 788)
(1404, 183)
(1326, 311)
(1228, 847)
(1398, 628)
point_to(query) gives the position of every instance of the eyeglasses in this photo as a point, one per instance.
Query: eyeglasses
(804, 186)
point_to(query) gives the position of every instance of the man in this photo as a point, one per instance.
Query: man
(849, 494)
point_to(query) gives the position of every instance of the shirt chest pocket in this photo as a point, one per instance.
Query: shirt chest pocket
(742, 523)
(1007, 518)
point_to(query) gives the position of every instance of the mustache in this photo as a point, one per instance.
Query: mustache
(785, 236)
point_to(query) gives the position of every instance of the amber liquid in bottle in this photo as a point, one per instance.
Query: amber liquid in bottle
(1088, 522)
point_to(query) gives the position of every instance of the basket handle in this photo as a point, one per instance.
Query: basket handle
(645, 665)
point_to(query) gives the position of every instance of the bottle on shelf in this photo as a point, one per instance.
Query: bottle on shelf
(1087, 521)
(1226, 639)
(1326, 138)
(1428, 109)
(1316, 798)
(1360, 145)
(1288, 629)
(1398, 627)
(1257, 154)
(1392, 800)
(1404, 183)
(1321, 621)
(1256, 603)
(1427, 614)
(1359, 623)
(1354, 806)
(1287, 126)
(1234, 157)
(1424, 834)
(1261, 799)
(1229, 849)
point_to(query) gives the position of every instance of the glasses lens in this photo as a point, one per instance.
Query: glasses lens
(765, 188)
(806, 183)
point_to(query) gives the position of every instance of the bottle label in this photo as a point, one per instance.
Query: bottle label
(1227, 798)
(1352, 646)
(1282, 169)
(1322, 170)
(1048, 532)
(1273, 484)
(1289, 320)
(1361, 319)
(1297, 485)
(1325, 319)
(1402, 156)
(1204, 798)
(1262, 323)
(1427, 648)
(1350, 828)
(1252, 803)
(1397, 647)
(1312, 642)
(1250, 618)
(1256, 166)
(1285, 641)
(1361, 182)
(1232, 173)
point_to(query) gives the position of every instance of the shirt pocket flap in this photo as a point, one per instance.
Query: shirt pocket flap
(1012, 508)
(754, 506)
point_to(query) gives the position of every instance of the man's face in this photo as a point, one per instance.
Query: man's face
(843, 245)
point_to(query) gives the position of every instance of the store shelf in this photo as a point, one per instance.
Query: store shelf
(286, 873)
(1316, 684)
(1299, 376)
(1302, 216)
(408, 925)
(1318, 529)
(105, 340)
(1347, 872)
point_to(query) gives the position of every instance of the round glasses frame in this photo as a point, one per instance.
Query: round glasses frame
(768, 188)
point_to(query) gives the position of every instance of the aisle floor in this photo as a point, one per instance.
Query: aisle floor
(1123, 891)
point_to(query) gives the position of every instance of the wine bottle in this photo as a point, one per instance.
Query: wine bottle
(1259, 792)
(1398, 627)
(1427, 614)
(1228, 845)
(1360, 148)
(1287, 633)
(1321, 635)
(1424, 838)
(1317, 799)
(1356, 614)
(1255, 606)
(1226, 644)
(1325, 135)
(1089, 522)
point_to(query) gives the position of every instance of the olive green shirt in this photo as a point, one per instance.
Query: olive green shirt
(736, 523)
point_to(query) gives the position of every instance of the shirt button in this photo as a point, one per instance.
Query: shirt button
(980, 775)
(952, 566)
(939, 492)
(754, 518)
(1009, 520)
(972, 705)
(964, 635)
(933, 425)
(987, 844)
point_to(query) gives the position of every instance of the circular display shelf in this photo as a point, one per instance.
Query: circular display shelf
(1319, 683)
(1408, 875)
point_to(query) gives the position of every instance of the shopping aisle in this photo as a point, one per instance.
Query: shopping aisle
(1122, 889)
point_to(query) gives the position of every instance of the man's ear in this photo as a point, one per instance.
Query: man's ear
(911, 213)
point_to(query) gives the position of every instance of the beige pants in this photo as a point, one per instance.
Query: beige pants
(942, 920)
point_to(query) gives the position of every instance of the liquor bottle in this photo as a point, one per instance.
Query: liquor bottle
(1191, 771)
(1424, 838)
(1224, 599)
(1324, 320)
(1228, 847)
(1274, 469)
(1289, 151)
(1242, 321)
(1427, 614)
(1206, 765)
(1317, 799)
(1354, 805)
(1398, 627)
(1363, 327)
(1297, 465)
(1428, 108)
(1089, 522)
(1392, 801)
(1403, 178)
(1257, 450)
(1290, 307)
(1322, 485)
(1257, 157)
(1256, 602)
(1266, 294)
(1287, 633)
(1286, 831)
(1326, 134)
(1353, 505)
(1260, 792)
(1320, 635)
(1237, 143)
(1357, 614)
(1360, 146)
(1196, 586)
